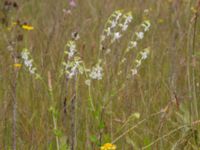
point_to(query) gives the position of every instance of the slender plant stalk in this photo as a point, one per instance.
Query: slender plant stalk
(91, 104)
(53, 106)
(101, 130)
(14, 119)
(73, 116)
(88, 143)
(15, 109)
(189, 70)
(191, 53)
(173, 73)
(111, 119)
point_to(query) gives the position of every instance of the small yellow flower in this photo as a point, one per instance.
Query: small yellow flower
(17, 65)
(108, 146)
(27, 27)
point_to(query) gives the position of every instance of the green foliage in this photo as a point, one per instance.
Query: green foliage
(130, 101)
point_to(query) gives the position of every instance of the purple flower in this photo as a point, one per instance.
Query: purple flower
(72, 3)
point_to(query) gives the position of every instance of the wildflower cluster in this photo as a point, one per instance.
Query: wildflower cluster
(127, 19)
(108, 146)
(74, 63)
(133, 43)
(96, 72)
(117, 23)
(28, 62)
(23, 26)
(141, 56)
(139, 35)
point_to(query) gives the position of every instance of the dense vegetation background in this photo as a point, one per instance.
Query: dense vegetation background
(156, 109)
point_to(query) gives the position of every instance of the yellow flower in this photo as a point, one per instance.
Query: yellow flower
(27, 27)
(108, 146)
(17, 65)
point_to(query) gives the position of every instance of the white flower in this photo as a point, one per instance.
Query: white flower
(71, 49)
(88, 82)
(134, 71)
(96, 73)
(108, 31)
(74, 64)
(140, 35)
(133, 44)
(71, 53)
(119, 14)
(70, 71)
(129, 19)
(138, 63)
(72, 68)
(113, 24)
(124, 27)
(32, 70)
(25, 54)
(116, 36)
(146, 25)
(75, 35)
(28, 62)
(144, 55)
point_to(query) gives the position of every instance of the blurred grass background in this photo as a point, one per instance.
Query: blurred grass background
(163, 82)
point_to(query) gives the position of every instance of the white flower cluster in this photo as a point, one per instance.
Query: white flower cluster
(74, 63)
(139, 35)
(142, 56)
(111, 24)
(28, 61)
(96, 72)
(117, 23)
(127, 19)
(145, 25)
(71, 68)
(71, 49)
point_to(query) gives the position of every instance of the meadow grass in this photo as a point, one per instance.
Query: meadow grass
(99, 74)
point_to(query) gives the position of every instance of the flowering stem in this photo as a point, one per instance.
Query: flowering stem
(91, 104)
(53, 109)
(90, 99)
(16, 71)
(73, 116)
(15, 109)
